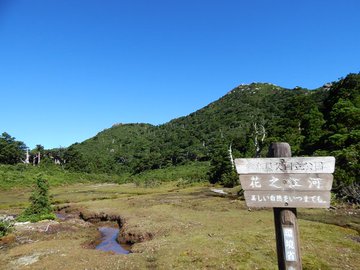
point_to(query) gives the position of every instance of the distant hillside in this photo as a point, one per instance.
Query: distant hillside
(248, 118)
(116, 148)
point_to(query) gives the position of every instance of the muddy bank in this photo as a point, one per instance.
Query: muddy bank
(127, 235)
(22, 233)
(102, 232)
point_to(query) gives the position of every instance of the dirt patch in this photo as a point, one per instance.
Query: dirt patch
(134, 237)
(45, 226)
(7, 240)
(26, 260)
(98, 217)
(355, 238)
(28, 233)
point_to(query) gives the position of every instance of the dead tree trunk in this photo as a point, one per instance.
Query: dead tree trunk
(27, 157)
(259, 131)
(231, 157)
(37, 159)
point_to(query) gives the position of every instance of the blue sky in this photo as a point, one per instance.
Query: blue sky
(69, 69)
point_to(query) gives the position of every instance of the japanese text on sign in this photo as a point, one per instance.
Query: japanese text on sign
(289, 244)
(285, 165)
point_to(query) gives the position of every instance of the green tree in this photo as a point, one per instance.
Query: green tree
(342, 112)
(344, 141)
(312, 130)
(221, 170)
(11, 151)
(74, 160)
(40, 206)
(344, 123)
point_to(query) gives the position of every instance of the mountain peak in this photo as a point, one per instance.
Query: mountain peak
(253, 87)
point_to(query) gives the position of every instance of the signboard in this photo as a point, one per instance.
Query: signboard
(286, 182)
(288, 199)
(309, 181)
(285, 165)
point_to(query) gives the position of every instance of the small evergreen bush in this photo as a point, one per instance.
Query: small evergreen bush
(229, 179)
(40, 207)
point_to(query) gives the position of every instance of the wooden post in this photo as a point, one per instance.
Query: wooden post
(284, 183)
(286, 226)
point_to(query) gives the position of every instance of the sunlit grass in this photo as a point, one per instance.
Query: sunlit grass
(191, 228)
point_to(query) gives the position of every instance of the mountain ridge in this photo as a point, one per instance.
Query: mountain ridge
(307, 119)
(243, 96)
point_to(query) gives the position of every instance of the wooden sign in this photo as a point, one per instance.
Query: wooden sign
(301, 182)
(285, 165)
(286, 182)
(287, 190)
(292, 199)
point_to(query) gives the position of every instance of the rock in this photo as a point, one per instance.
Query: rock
(21, 223)
(26, 260)
(219, 191)
(9, 218)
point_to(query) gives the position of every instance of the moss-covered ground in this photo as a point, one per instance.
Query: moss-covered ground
(180, 226)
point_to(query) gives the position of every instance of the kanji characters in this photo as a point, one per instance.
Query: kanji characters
(315, 182)
(273, 182)
(293, 182)
(289, 244)
(255, 182)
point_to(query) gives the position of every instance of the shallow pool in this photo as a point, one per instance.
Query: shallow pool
(109, 241)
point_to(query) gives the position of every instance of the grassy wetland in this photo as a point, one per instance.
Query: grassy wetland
(170, 225)
(153, 183)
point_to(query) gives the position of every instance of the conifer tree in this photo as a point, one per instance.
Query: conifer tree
(40, 206)
(221, 169)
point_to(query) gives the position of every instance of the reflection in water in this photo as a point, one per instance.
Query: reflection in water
(109, 242)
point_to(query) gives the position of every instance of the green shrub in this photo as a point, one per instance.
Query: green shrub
(229, 179)
(35, 217)
(40, 207)
(350, 193)
(5, 227)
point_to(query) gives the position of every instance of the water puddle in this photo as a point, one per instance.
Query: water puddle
(60, 216)
(109, 241)
(109, 233)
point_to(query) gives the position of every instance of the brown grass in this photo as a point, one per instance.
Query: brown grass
(181, 228)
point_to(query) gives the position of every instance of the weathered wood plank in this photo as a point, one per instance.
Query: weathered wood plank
(285, 165)
(311, 181)
(288, 199)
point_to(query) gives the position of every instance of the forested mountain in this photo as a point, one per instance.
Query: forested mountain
(247, 119)
(324, 121)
